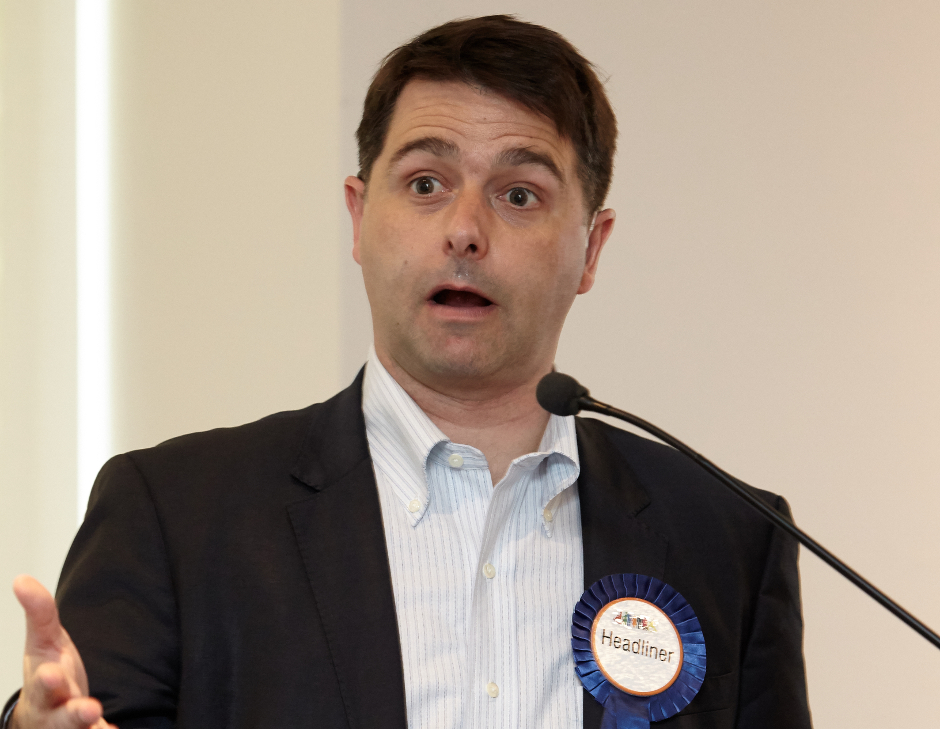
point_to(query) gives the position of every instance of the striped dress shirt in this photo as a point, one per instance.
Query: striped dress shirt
(485, 578)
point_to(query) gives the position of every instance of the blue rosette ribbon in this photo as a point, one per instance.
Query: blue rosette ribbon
(623, 710)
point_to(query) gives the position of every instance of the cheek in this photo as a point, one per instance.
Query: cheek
(379, 242)
(544, 285)
(559, 264)
(389, 234)
(390, 257)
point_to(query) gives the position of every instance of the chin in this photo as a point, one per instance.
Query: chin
(466, 360)
(456, 365)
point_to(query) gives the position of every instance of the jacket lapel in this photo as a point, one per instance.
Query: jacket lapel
(611, 498)
(614, 539)
(342, 542)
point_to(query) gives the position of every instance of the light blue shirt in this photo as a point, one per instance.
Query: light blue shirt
(485, 578)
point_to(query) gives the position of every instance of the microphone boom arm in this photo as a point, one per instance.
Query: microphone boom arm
(586, 402)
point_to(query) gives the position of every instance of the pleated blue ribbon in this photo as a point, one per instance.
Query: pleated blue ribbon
(623, 710)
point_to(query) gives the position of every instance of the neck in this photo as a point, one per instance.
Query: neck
(503, 422)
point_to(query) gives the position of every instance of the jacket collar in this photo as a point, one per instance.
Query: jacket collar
(335, 441)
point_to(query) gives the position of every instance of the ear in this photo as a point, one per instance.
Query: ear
(597, 237)
(355, 190)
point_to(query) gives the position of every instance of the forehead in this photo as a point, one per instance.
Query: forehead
(471, 117)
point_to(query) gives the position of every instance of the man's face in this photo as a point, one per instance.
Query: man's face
(473, 237)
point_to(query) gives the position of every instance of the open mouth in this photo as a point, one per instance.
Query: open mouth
(460, 299)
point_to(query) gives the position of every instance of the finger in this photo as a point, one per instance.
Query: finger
(43, 629)
(80, 713)
(48, 687)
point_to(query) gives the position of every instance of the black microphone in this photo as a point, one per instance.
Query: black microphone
(563, 395)
(560, 394)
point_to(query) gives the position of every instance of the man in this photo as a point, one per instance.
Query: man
(409, 552)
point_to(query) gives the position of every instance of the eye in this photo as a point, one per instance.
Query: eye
(520, 197)
(426, 185)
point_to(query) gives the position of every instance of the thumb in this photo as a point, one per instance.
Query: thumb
(43, 630)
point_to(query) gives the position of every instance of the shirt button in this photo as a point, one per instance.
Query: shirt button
(414, 506)
(492, 689)
(547, 514)
(490, 572)
(455, 460)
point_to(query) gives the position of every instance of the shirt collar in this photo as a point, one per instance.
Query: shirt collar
(403, 439)
(401, 436)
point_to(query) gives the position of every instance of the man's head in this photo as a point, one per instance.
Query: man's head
(527, 63)
(481, 222)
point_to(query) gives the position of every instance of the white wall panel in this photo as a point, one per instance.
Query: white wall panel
(37, 305)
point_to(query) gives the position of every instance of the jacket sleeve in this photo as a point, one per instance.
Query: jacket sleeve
(773, 677)
(116, 600)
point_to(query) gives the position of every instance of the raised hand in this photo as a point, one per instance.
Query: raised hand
(55, 687)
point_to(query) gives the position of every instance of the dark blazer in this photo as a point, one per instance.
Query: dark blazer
(239, 578)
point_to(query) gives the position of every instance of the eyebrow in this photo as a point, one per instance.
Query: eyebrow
(515, 157)
(434, 145)
(518, 156)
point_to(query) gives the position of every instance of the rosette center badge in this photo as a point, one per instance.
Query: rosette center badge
(636, 646)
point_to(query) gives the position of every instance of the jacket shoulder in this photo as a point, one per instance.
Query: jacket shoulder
(281, 447)
(659, 467)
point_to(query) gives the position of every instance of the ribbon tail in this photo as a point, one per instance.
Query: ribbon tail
(625, 711)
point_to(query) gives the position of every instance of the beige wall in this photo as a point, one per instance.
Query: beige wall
(227, 202)
(769, 294)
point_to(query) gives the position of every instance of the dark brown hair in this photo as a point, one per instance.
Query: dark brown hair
(527, 63)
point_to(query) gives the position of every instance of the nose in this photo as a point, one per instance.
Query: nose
(467, 224)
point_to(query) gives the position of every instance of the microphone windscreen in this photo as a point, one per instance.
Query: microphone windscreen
(559, 394)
